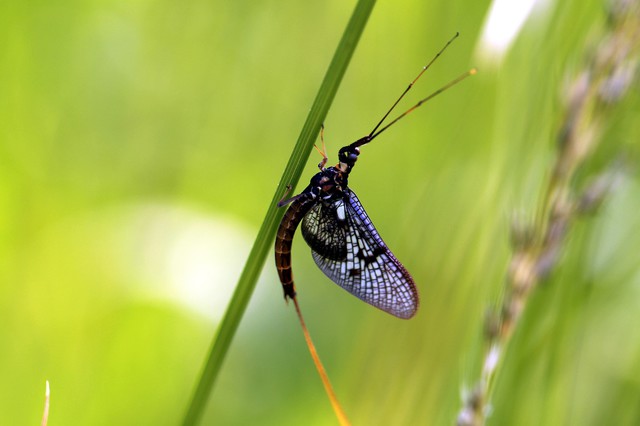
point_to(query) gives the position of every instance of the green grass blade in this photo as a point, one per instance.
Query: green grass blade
(264, 240)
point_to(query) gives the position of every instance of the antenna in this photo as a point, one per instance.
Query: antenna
(375, 132)
(453, 82)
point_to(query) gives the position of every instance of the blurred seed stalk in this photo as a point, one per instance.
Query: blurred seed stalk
(608, 75)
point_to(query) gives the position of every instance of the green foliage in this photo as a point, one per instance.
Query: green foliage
(141, 145)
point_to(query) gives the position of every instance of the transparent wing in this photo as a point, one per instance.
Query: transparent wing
(324, 231)
(348, 249)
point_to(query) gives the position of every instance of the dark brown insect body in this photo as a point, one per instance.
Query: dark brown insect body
(324, 184)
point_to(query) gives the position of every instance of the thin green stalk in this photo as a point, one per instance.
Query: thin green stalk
(609, 74)
(264, 240)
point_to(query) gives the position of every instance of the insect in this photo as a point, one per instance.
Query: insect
(344, 242)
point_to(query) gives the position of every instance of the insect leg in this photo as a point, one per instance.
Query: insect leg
(324, 149)
(284, 201)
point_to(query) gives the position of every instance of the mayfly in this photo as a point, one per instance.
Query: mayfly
(344, 243)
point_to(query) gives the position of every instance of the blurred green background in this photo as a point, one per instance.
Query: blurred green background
(140, 145)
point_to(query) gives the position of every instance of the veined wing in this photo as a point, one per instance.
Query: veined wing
(348, 249)
(325, 229)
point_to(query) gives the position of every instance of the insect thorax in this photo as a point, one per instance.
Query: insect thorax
(329, 184)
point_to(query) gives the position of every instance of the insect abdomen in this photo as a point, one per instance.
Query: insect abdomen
(294, 214)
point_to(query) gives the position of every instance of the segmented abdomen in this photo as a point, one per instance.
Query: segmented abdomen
(294, 214)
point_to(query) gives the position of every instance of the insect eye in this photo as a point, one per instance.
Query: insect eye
(348, 155)
(349, 158)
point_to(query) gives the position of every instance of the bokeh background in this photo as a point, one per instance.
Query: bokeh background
(141, 142)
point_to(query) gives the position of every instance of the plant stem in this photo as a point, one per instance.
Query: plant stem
(264, 240)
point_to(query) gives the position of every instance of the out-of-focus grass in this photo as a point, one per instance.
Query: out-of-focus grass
(124, 124)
